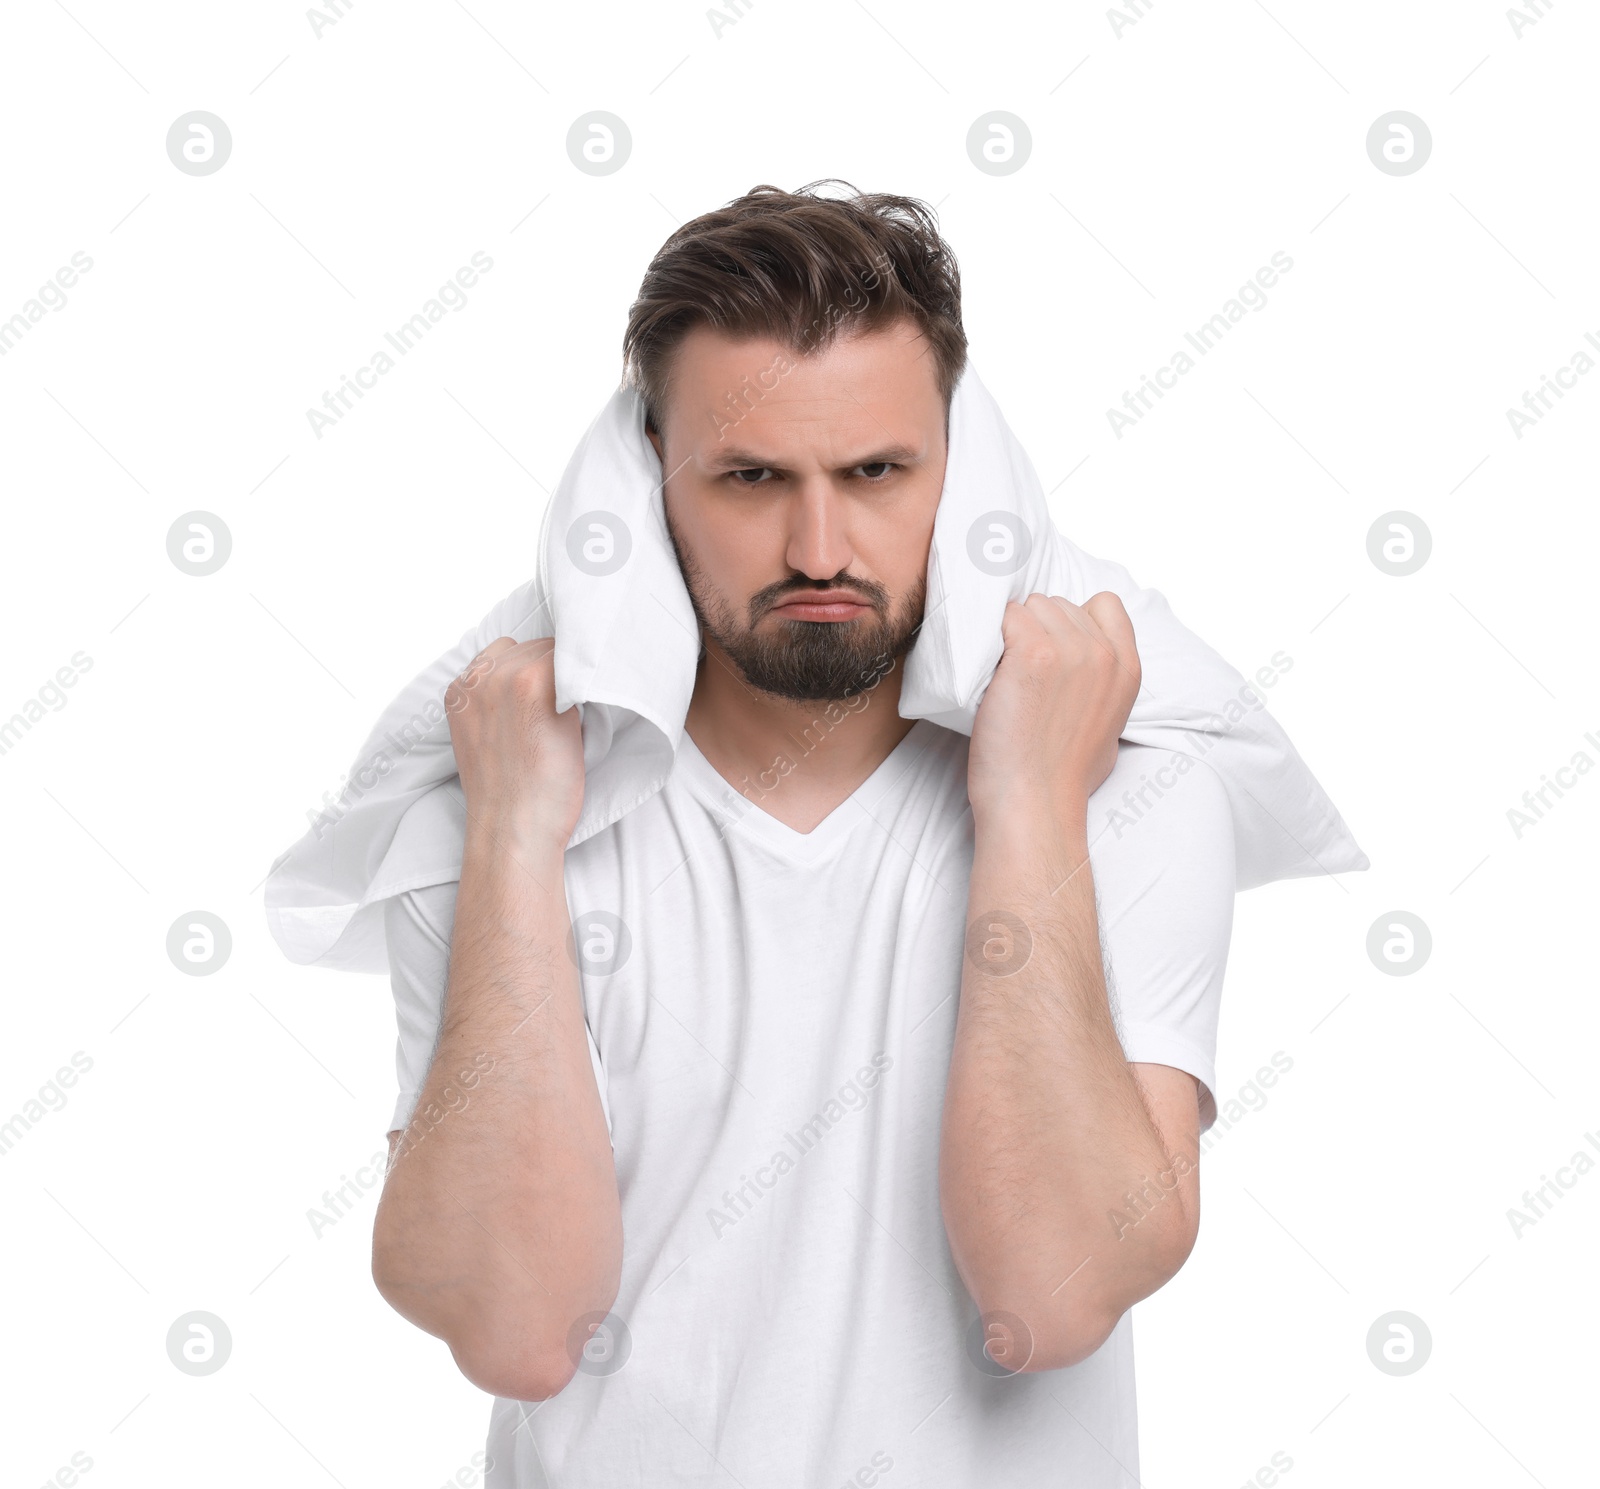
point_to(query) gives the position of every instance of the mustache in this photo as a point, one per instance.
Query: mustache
(764, 600)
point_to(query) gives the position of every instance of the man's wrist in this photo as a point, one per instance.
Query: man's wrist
(499, 841)
(1026, 820)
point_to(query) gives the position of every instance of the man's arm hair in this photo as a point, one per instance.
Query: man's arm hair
(499, 1226)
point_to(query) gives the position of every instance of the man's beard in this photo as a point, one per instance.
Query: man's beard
(807, 660)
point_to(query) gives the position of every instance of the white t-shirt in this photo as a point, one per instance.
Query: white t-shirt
(772, 1043)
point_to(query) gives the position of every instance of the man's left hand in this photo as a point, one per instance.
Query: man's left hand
(1046, 731)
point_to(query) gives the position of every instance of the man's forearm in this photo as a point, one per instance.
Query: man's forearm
(499, 1223)
(1045, 1129)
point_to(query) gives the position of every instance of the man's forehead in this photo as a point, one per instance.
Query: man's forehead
(750, 402)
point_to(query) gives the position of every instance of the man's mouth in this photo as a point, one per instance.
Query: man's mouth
(826, 604)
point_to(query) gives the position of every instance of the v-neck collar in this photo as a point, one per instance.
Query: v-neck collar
(708, 783)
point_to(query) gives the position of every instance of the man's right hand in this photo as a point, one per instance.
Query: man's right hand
(521, 762)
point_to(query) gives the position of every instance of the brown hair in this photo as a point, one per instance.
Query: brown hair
(797, 267)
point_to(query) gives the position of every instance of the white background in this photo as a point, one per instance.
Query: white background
(1169, 161)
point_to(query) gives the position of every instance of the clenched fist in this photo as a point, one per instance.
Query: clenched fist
(1046, 731)
(521, 762)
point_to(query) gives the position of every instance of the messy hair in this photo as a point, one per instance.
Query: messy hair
(799, 268)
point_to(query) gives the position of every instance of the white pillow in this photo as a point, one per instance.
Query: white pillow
(627, 642)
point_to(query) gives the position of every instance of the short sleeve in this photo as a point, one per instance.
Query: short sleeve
(417, 926)
(1162, 852)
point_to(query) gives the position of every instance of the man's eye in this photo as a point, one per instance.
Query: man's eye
(876, 470)
(751, 477)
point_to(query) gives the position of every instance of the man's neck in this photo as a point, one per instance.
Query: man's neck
(798, 761)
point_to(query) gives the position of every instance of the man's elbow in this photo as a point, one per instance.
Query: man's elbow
(1058, 1343)
(1059, 1340)
(520, 1369)
(1061, 1332)
(519, 1373)
(532, 1364)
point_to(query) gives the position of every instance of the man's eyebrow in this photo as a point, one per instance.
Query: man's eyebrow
(735, 460)
(726, 460)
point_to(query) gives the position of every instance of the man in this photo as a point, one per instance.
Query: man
(853, 1165)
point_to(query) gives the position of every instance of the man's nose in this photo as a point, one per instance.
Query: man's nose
(818, 536)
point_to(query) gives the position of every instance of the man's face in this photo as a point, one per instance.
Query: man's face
(793, 479)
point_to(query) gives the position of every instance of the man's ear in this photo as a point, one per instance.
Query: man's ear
(655, 440)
